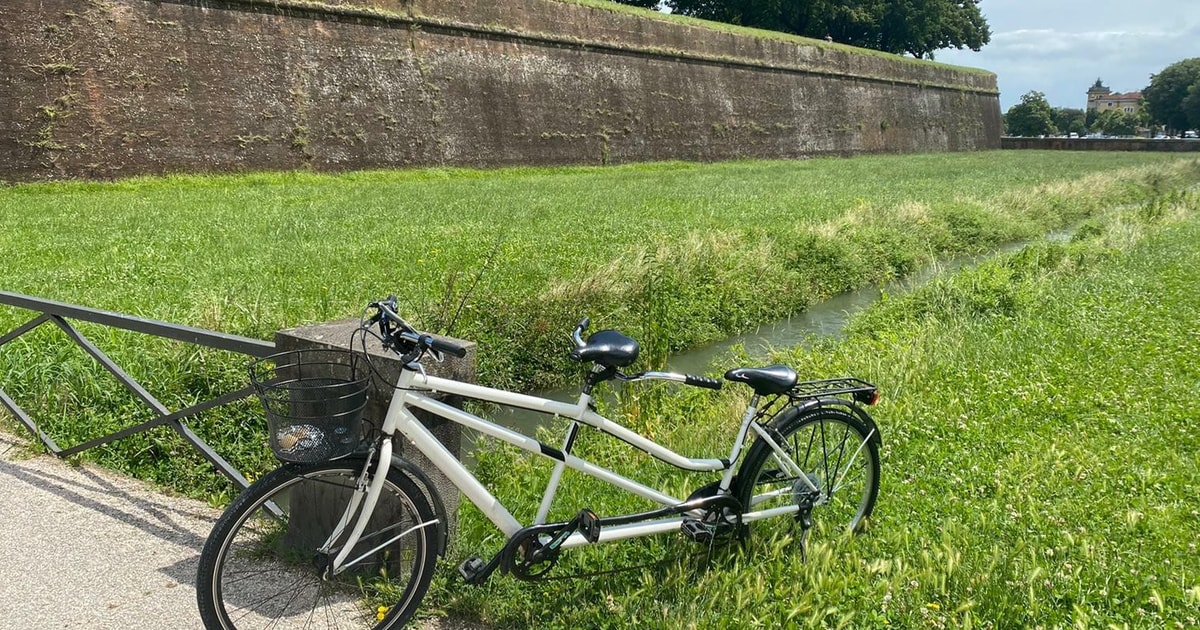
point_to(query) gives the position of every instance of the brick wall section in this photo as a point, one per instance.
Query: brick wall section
(1101, 144)
(114, 88)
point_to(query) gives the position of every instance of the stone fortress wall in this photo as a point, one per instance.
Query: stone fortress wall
(116, 88)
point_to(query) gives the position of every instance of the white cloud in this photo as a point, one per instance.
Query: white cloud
(1048, 45)
(1044, 42)
(1062, 47)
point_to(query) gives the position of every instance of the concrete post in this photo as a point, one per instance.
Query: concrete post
(337, 335)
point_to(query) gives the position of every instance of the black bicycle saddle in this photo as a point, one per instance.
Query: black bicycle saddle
(608, 348)
(773, 379)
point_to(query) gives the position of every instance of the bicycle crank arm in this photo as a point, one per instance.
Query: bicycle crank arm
(526, 548)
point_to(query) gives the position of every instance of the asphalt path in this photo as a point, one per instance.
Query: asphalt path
(84, 547)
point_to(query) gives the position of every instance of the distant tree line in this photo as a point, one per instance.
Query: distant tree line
(1171, 104)
(916, 27)
(1034, 116)
(1173, 96)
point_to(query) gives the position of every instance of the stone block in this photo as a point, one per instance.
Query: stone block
(387, 367)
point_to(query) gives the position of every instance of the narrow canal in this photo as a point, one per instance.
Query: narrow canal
(822, 320)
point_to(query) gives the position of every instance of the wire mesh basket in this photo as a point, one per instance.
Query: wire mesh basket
(314, 401)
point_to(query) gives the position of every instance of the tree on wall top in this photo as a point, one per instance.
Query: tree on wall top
(1115, 122)
(917, 27)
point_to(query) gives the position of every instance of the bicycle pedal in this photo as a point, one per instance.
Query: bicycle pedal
(697, 531)
(471, 569)
(589, 525)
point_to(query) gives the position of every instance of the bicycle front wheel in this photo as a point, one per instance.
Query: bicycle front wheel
(262, 566)
(834, 450)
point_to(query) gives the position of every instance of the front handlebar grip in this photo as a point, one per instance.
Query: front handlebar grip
(447, 347)
(421, 342)
(701, 381)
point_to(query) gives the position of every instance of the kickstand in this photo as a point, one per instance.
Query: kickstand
(804, 517)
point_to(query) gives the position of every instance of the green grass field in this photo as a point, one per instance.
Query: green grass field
(673, 254)
(1039, 461)
(738, 244)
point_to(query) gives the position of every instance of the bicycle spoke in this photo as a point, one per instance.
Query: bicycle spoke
(808, 449)
(831, 482)
(853, 458)
(252, 606)
(824, 452)
(286, 606)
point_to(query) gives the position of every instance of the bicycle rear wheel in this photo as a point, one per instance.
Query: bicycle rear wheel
(260, 567)
(831, 447)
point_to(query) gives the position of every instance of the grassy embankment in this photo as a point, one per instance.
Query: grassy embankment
(1039, 461)
(674, 254)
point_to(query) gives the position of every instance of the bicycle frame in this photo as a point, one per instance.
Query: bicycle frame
(412, 391)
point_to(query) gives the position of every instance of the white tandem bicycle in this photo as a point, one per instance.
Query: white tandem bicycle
(346, 533)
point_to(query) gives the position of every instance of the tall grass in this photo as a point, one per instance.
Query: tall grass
(673, 254)
(1038, 463)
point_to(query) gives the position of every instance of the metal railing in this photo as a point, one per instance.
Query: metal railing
(57, 313)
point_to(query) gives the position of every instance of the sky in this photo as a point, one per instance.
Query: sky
(1060, 47)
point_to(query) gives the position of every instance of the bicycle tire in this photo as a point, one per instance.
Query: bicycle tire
(819, 440)
(258, 571)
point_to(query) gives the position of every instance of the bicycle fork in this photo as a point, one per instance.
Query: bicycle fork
(362, 503)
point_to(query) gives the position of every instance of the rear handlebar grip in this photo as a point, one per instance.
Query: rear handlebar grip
(701, 381)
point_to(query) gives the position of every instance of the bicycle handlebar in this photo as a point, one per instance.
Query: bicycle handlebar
(396, 334)
(581, 328)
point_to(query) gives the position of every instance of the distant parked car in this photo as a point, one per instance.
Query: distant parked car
(1190, 134)
(1072, 135)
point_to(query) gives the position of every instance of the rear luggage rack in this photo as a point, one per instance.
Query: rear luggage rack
(859, 389)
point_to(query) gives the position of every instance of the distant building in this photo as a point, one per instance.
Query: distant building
(1100, 98)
